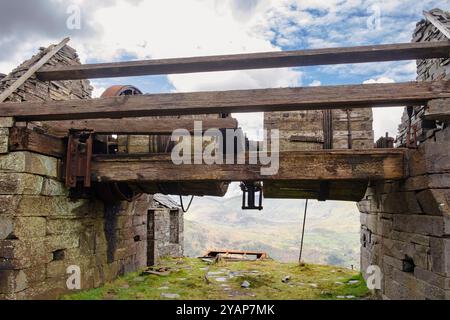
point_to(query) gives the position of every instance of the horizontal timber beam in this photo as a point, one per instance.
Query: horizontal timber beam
(145, 126)
(257, 100)
(360, 54)
(24, 139)
(374, 164)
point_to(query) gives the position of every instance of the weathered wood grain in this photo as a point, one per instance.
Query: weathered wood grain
(370, 164)
(145, 126)
(257, 100)
(23, 139)
(373, 53)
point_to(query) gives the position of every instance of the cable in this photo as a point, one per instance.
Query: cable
(303, 232)
(189, 205)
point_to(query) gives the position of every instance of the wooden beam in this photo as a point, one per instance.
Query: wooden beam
(373, 53)
(438, 109)
(23, 139)
(374, 164)
(150, 126)
(257, 100)
(349, 190)
(439, 25)
(35, 67)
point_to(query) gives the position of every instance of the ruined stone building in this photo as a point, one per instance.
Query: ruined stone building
(119, 222)
(43, 230)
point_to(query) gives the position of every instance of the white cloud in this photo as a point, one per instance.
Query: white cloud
(315, 83)
(169, 28)
(385, 119)
(164, 29)
(98, 91)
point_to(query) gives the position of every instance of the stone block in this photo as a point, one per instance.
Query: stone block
(50, 288)
(432, 278)
(440, 256)
(58, 269)
(384, 227)
(67, 225)
(56, 206)
(411, 237)
(20, 183)
(60, 242)
(435, 201)
(434, 155)
(6, 122)
(28, 162)
(29, 227)
(364, 206)
(6, 226)
(52, 187)
(399, 250)
(401, 202)
(8, 204)
(421, 224)
(4, 141)
(20, 254)
(430, 181)
(12, 281)
(411, 287)
(394, 262)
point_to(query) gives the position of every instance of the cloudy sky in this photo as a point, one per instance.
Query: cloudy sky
(115, 30)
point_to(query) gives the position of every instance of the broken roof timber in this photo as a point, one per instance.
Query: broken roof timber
(372, 164)
(257, 100)
(359, 54)
(438, 24)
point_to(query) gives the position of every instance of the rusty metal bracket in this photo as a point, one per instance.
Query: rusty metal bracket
(78, 158)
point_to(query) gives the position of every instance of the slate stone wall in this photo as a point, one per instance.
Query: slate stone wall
(42, 230)
(405, 225)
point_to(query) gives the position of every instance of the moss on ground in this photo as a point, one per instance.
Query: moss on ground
(195, 279)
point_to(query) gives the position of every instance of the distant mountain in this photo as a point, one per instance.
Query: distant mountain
(331, 233)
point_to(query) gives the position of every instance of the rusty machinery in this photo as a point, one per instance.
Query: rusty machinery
(84, 144)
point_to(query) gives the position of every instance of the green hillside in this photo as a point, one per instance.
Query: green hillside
(331, 236)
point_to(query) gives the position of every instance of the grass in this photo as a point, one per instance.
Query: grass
(188, 279)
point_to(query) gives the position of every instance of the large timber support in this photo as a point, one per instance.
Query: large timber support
(258, 100)
(375, 164)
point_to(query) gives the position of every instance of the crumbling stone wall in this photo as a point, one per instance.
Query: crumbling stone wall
(405, 225)
(42, 230)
